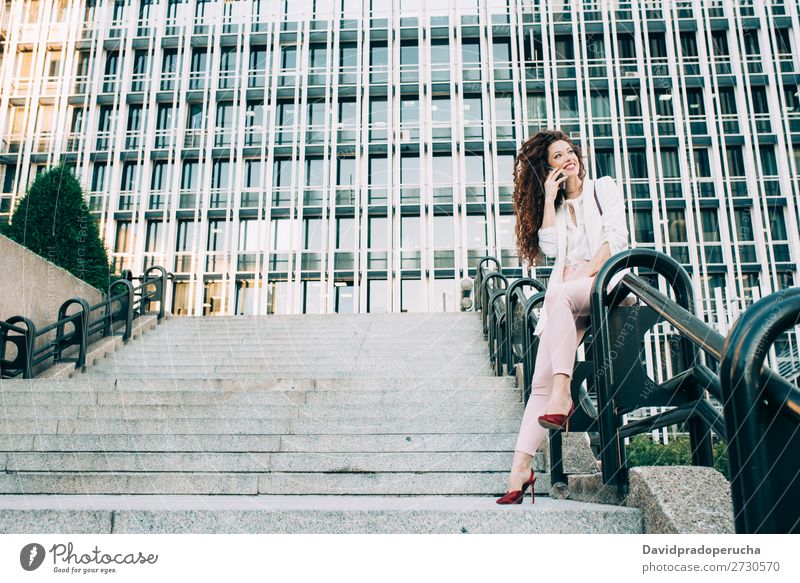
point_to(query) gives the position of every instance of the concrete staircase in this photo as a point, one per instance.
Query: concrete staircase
(335, 423)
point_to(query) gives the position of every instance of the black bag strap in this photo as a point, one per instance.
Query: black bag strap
(596, 199)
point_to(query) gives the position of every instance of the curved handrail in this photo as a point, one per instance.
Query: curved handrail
(601, 304)
(160, 283)
(479, 272)
(480, 276)
(491, 293)
(24, 344)
(531, 320)
(753, 397)
(486, 284)
(514, 295)
(80, 334)
(126, 306)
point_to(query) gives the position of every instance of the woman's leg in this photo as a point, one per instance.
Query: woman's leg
(550, 386)
(531, 433)
(568, 312)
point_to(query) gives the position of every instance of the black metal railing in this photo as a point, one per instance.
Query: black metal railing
(620, 379)
(515, 324)
(762, 415)
(67, 339)
(760, 409)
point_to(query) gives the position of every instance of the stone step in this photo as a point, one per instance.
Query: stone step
(330, 320)
(216, 411)
(255, 351)
(321, 383)
(380, 443)
(275, 397)
(293, 361)
(268, 373)
(187, 374)
(139, 443)
(327, 322)
(442, 442)
(328, 326)
(217, 341)
(486, 397)
(420, 330)
(354, 426)
(276, 371)
(283, 346)
(280, 483)
(250, 462)
(308, 515)
(213, 364)
(343, 320)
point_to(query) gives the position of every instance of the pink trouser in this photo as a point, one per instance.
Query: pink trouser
(567, 306)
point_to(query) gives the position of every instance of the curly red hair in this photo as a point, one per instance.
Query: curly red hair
(530, 172)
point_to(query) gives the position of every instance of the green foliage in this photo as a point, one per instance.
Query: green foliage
(53, 221)
(643, 451)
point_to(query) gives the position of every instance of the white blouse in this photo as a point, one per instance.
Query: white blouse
(577, 245)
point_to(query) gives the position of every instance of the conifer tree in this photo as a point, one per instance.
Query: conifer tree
(53, 221)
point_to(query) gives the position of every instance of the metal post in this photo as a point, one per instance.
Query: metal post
(80, 335)
(762, 413)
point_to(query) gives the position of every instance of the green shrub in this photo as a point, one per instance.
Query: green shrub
(643, 451)
(53, 221)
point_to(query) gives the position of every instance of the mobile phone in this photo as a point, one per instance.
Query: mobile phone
(562, 188)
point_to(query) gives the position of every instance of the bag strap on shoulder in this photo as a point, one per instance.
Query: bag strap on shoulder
(596, 199)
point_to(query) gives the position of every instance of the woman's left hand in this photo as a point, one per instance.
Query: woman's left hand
(587, 269)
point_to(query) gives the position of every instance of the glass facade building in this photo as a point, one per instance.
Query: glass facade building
(315, 156)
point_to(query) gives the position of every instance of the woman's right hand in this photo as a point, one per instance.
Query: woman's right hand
(554, 180)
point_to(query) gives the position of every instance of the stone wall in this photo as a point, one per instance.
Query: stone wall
(33, 287)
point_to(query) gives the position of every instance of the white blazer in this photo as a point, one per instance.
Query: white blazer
(611, 227)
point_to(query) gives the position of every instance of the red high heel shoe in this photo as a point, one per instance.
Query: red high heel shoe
(516, 496)
(557, 421)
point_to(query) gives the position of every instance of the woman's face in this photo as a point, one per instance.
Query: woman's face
(561, 155)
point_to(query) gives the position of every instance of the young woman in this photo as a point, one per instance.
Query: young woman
(581, 222)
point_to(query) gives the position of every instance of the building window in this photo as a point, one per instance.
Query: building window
(637, 163)
(197, 76)
(702, 165)
(99, 177)
(379, 233)
(471, 52)
(155, 237)
(377, 296)
(473, 108)
(735, 160)
(158, 180)
(130, 177)
(443, 232)
(694, 102)
(727, 101)
(379, 63)
(643, 223)
(476, 231)
(670, 164)
(688, 44)
(185, 238)
(314, 234)
(122, 241)
(440, 60)
(248, 235)
(411, 298)
(280, 231)
(346, 234)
